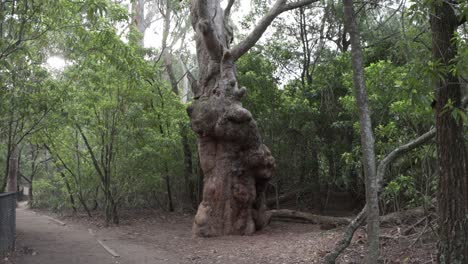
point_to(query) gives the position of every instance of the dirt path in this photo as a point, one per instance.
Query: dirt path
(41, 240)
(156, 237)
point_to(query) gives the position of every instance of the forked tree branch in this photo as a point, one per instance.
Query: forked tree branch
(279, 7)
(227, 11)
(206, 28)
(383, 165)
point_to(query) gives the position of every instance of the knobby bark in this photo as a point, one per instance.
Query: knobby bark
(452, 195)
(235, 162)
(367, 137)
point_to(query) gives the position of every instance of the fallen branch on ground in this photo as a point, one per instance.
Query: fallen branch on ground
(396, 218)
(292, 215)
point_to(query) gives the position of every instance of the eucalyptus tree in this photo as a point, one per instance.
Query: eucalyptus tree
(452, 195)
(26, 29)
(235, 162)
(367, 136)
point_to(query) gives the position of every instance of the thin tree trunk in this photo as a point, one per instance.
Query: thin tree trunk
(168, 62)
(381, 170)
(85, 206)
(168, 189)
(10, 145)
(13, 170)
(452, 195)
(96, 203)
(367, 137)
(70, 193)
(30, 192)
(138, 19)
(188, 166)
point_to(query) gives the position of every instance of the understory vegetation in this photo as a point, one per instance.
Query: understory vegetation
(93, 99)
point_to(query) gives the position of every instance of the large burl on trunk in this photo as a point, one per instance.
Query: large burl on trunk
(235, 163)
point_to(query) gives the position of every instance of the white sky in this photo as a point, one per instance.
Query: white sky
(153, 34)
(56, 63)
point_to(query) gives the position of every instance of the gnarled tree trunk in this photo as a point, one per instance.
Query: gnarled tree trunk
(235, 163)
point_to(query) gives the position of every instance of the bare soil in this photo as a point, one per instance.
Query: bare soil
(148, 236)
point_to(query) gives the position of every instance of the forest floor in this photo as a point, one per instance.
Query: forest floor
(148, 236)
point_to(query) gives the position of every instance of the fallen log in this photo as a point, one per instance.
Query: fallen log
(396, 218)
(292, 215)
(409, 216)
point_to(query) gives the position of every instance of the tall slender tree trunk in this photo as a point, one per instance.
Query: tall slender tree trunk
(13, 170)
(451, 151)
(188, 165)
(10, 144)
(168, 63)
(138, 19)
(170, 203)
(69, 190)
(367, 137)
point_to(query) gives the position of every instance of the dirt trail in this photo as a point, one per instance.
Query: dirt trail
(41, 240)
(156, 237)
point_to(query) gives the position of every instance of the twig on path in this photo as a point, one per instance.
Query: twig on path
(108, 249)
(56, 221)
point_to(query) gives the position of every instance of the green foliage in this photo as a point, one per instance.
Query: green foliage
(398, 190)
(116, 93)
(51, 194)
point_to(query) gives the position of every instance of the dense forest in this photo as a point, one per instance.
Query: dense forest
(240, 112)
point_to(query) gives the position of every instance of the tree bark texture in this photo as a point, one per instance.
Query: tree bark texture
(235, 162)
(13, 171)
(451, 151)
(367, 137)
(138, 19)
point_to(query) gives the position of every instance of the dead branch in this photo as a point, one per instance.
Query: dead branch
(279, 7)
